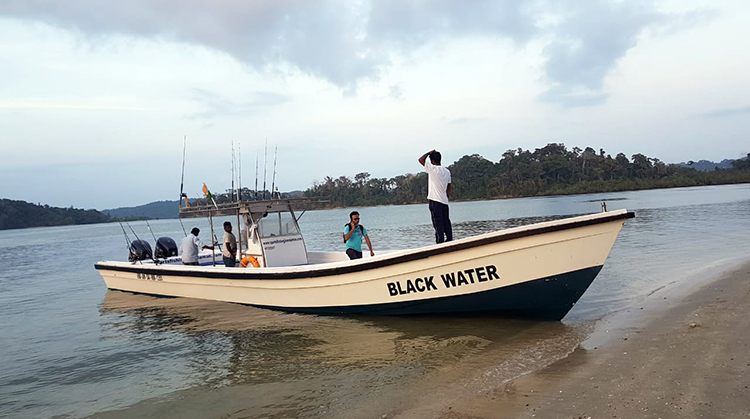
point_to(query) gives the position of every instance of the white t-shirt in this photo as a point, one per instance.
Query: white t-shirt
(229, 238)
(189, 248)
(439, 178)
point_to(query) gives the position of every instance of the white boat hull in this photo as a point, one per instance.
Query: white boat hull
(537, 271)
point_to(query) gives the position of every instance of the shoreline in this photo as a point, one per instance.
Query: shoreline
(684, 352)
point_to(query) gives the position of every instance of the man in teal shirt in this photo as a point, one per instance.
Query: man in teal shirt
(353, 234)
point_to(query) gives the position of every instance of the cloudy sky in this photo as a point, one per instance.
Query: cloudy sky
(96, 97)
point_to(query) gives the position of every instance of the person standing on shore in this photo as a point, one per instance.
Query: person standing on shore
(230, 246)
(190, 246)
(353, 234)
(438, 192)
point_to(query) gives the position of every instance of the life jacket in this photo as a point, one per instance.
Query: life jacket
(361, 230)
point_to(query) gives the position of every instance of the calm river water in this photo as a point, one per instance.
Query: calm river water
(70, 348)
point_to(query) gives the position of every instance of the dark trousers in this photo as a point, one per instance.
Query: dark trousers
(229, 262)
(353, 254)
(441, 221)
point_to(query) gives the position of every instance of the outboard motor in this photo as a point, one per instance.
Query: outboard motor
(140, 250)
(165, 247)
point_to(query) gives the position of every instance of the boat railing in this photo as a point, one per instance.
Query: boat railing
(226, 209)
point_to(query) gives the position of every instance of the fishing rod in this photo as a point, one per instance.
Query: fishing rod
(132, 256)
(255, 194)
(239, 175)
(273, 181)
(183, 225)
(265, 168)
(216, 239)
(152, 231)
(127, 239)
(232, 171)
(151, 255)
(182, 183)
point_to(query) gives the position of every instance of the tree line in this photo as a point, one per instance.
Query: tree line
(22, 214)
(550, 170)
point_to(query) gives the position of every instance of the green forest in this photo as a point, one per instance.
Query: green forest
(22, 214)
(551, 170)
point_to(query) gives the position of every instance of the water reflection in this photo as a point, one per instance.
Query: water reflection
(333, 362)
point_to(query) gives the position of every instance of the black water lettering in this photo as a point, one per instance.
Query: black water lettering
(481, 275)
(449, 280)
(392, 289)
(428, 283)
(470, 272)
(418, 283)
(410, 287)
(462, 279)
(400, 291)
(492, 271)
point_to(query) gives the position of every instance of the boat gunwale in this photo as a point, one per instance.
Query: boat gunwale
(368, 263)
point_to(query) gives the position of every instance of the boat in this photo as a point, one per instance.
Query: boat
(536, 271)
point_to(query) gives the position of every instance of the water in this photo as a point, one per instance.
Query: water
(70, 348)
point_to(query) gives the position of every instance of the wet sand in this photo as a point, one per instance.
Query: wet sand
(674, 356)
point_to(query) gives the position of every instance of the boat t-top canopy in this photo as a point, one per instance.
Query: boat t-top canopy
(244, 207)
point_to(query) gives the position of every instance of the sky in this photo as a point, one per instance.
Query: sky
(96, 98)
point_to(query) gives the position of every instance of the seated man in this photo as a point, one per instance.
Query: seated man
(353, 234)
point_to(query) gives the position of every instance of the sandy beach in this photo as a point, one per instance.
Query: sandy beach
(686, 358)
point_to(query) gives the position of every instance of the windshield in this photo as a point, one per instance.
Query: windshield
(278, 224)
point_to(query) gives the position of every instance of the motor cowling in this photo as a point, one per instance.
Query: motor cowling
(165, 247)
(140, 250)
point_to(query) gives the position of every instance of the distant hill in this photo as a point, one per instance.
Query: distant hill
(22, 214)
(157, 210)
(708, 166)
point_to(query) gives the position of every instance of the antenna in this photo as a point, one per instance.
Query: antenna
(273, 181)
(265, 167)
(255, 195)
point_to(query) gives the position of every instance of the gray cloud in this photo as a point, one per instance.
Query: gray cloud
(347, 42)
(216, 105)
(728, 112)
(396, 92)
(587, 46)
(592, 38)
(413, 23)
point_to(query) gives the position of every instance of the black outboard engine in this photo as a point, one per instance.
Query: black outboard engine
(140, 250)
(165, 247)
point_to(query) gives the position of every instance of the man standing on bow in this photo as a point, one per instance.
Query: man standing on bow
(438, 192)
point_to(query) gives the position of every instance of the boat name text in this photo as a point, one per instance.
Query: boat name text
(149, 277)
(450, 280)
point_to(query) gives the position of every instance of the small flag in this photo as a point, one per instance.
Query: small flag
(208, 195)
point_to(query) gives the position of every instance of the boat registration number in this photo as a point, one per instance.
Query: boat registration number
(149, 277)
